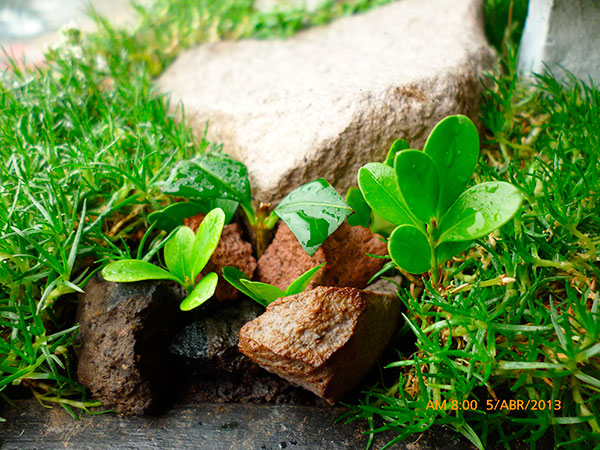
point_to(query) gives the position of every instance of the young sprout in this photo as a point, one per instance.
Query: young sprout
(185, 256)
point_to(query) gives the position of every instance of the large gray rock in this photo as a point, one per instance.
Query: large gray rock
(562, 33)
(330, 99)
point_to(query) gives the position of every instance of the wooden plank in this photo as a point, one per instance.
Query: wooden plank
(204, 426)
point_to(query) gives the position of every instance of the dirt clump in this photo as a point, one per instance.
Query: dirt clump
(345, 253)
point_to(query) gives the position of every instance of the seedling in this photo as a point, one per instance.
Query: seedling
(312, 211)
(185, 256)
(264, 293)
(423, 195)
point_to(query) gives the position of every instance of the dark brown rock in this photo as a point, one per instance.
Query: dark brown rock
(345, 252)
(324, 339)
(125, 331)
(232, 250)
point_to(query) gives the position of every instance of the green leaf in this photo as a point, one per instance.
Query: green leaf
(397, 146)
(207, 239)
(446, 250)
(454, 147)
(378, 184)
(409, 249)
(313, 212)
(362, 211)
(202, 292)
(479, 211)
(419, 182)
(263, 291)
(178, 253)
(233, 276)
(300, 283)
(128, 270)
(173, 215)
(211, 176)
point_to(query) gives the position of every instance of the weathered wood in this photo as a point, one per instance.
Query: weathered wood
(204, 426)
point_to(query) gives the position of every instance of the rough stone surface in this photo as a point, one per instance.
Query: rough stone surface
(125, 330)
(383, 286)
(562, 33)
(345, 253)
(210, 343)
(330, 99)
(232, 250)
(324, 340)
(211, 365)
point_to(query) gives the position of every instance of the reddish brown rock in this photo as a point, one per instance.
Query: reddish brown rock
(232, 250)
(324, 339)
(345, 252)
(125, 330)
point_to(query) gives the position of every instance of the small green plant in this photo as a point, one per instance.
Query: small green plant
(312, 211)
(423, 195)
(186, 255)
(264, 293)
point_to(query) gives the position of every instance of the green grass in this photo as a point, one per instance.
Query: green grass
(522, 321)
(86, 141)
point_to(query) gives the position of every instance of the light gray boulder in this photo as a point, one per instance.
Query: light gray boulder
(330, 99)
(562, 33)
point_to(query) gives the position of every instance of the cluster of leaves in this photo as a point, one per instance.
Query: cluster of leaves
(521, 319)
(186, 254)
(422, 194)
(312, 211)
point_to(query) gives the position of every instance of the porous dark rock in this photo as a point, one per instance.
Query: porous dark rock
(232, 250)
(124, 331)
(345, 253)
(207, 356)
(209, 344)
(324, 339)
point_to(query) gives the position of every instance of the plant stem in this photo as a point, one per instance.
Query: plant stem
(435, 269)
(262, 227)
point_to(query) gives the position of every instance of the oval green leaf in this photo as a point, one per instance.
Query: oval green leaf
(419, 182)
(378, 184)
(454, 147)
(362, 212)
(178, 253)
(207, 239)
(300, 283)
(264, 293)
(479, 211)
(202, 292)
(397, 146)
(128, 270)
(409, 249)
(212, 175)
(313, 212)
(174, 215)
